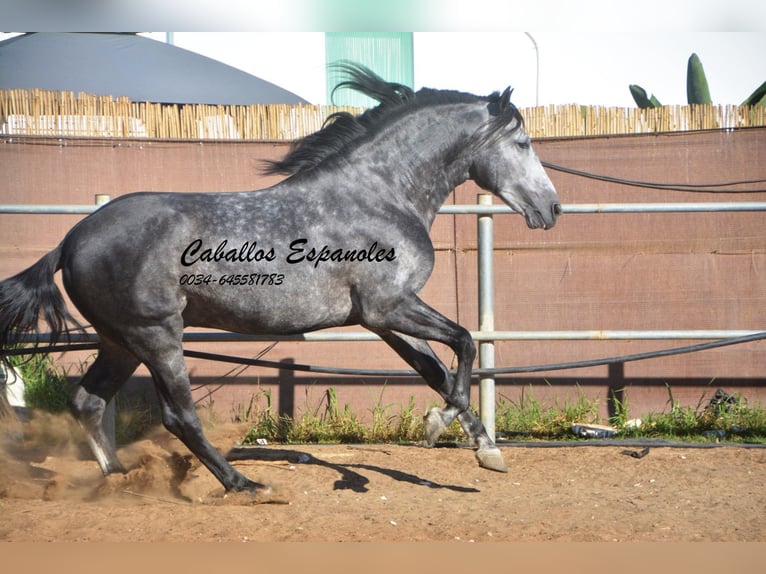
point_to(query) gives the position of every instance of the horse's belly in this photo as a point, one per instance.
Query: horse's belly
(267, 310)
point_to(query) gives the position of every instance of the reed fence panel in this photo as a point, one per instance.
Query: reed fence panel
(66, 114)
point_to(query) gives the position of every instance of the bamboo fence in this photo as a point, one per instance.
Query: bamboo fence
(66, 114)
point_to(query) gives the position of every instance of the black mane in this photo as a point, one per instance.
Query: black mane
(342, 128)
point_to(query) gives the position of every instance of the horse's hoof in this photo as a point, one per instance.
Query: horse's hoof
(434, 426)
(252, 488)
(262, 490)
(258, 494)
(113, 468)
(267, 495)
(492, 459)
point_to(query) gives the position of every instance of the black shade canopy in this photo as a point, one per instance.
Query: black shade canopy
(129, 65)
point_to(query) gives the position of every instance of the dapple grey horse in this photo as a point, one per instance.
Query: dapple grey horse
(343, 240)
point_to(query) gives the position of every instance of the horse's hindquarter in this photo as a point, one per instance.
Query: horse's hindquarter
(271, 261)
(117, 263)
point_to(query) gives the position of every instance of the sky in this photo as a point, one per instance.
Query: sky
(589, 51)
(574, 67)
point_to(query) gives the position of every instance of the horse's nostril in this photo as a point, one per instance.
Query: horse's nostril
(557, 209)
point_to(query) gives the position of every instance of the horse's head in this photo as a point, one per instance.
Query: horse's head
(505, 164)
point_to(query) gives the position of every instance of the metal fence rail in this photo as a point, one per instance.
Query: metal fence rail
(468, 209)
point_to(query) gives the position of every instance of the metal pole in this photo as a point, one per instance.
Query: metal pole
(486, 315)
(537, 69)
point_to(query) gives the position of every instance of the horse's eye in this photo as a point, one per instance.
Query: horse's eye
(523, 144)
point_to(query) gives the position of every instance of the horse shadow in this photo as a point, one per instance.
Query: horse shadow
(349, 479)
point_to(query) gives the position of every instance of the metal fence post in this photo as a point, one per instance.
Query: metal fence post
(486, 315)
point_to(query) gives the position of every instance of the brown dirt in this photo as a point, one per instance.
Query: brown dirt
(377, 493)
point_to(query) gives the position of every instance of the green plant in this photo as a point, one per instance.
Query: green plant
(328, 424)
(697, 90)
(758, 97)
(409, 426)
(641, 99)
(46, 386)
(382, 428)
(264, 423)
(621, 413)
(706, 421)
(529, 417)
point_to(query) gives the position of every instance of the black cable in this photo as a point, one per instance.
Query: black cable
(407, 373)
(687, 187)
(504, 440)
(480, 372)
(626, 358)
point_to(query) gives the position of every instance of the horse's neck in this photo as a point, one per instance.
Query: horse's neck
(421, 158)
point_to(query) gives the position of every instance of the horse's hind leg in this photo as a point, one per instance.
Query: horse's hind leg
(112, 367)
(159, 348)
(421, 357)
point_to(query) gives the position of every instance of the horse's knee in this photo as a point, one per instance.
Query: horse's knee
(468, 348)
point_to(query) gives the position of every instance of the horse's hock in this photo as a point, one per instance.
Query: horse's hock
(615, 271)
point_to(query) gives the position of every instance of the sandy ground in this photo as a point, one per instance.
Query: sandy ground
(52, 490)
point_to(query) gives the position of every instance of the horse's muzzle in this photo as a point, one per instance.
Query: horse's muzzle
(550, 221)
(556, 210)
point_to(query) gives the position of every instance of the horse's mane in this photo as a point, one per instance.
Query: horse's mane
(342, 129)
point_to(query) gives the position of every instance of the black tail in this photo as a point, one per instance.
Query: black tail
(29, 296)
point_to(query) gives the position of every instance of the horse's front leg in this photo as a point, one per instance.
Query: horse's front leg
(419, 355)
(487, 453)
(454, 389)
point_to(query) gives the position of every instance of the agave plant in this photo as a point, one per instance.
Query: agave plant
(642, 100)
(697, 90)
(758, 97)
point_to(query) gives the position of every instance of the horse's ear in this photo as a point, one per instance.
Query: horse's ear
(505, 99)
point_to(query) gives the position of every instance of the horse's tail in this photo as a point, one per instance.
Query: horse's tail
(29, 296)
